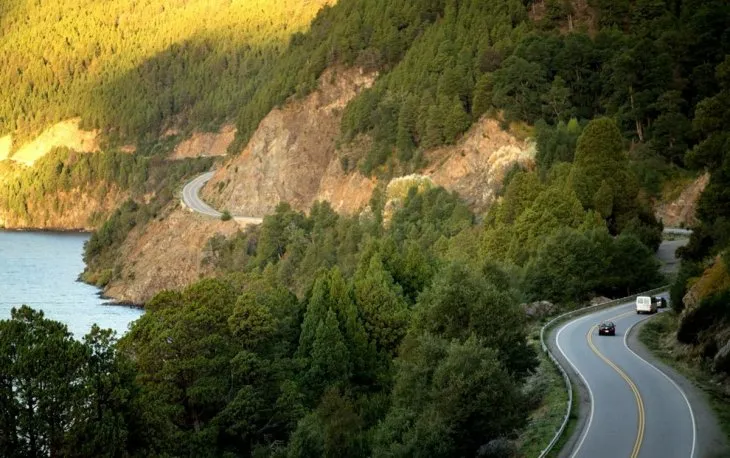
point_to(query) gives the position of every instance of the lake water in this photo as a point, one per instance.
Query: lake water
(40, 269)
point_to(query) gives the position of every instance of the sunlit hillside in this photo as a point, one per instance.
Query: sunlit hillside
(134, 65)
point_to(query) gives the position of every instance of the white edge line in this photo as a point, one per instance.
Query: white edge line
(588, 311)
(585, 382)
(681, 391)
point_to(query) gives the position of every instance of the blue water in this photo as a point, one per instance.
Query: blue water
(40, 269)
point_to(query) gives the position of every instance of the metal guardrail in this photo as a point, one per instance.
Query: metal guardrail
(566, 378)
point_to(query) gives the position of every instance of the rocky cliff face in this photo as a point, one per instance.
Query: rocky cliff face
(292, 157)
(476, 165)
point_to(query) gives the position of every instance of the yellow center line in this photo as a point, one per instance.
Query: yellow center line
(639, 401)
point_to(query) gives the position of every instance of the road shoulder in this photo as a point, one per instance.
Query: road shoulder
(581, 397)
(711, 441)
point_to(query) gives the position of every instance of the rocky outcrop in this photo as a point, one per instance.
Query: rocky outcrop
(680, 212)
(66, 134)
(476, 165)
(291, 156)
(539, 310)
(166, 254)
(204, 144)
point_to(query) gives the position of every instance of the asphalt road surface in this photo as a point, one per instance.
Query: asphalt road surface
(635, 409)
(191, 199)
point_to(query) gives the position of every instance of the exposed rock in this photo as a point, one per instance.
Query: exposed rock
(476, 165)
(599, 300)
(167, 255)
(502, 448)
(291, 156)
(63, 134)
(680, 212)
(539, 310)
(397, 190)
(202, 144)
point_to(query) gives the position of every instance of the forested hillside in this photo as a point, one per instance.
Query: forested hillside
(135, 67)
(397, 332)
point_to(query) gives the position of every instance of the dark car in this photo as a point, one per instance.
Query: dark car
(661, 302)
(607, 328)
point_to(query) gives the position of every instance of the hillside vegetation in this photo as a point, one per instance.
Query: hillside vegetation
(397, 332)
(133, 67)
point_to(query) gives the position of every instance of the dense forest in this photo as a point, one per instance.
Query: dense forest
(388, 333)
(133, 67)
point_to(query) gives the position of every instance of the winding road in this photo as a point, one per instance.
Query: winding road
(636, 410)
(191, 199)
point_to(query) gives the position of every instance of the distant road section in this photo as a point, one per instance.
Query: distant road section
(677, 231)
(191, 199)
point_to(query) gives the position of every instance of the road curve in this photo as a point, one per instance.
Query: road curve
(191, 199)
(636, 410)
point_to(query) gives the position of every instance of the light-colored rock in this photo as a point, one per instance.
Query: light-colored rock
(476, 165)
(680, 212)
(291, 157)
(202, 144)
(599, 300)
(63, 134)
(539, 310)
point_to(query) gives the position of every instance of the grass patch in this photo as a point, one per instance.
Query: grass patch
(546, 418)
(658, 336)
(569, 428)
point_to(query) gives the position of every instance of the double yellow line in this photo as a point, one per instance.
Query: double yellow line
(632, 385)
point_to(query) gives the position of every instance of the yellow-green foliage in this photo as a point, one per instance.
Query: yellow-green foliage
(529, 212)
(67, 58)
(398, 188)
(714, 279)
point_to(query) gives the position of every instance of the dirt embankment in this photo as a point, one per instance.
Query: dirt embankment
(680, 212)
(292, 154)
(166, 253)
(293, 157)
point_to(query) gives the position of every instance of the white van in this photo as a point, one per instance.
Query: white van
(646, 304)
